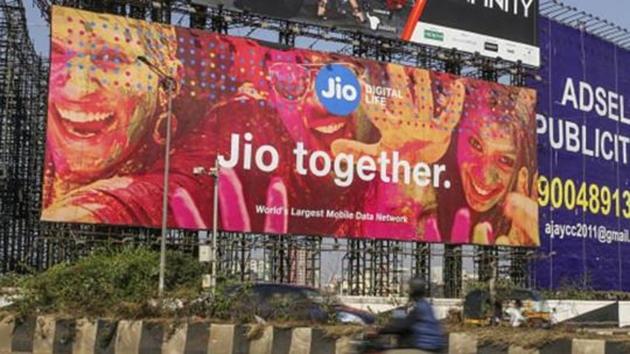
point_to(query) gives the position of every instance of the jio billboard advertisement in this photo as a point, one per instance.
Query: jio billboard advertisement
(583, 126)
(493, 28)
(307, 143)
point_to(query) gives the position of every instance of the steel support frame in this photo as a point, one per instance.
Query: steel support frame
(370, 267)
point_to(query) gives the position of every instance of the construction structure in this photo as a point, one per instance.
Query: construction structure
(368, 267)
(22, 117)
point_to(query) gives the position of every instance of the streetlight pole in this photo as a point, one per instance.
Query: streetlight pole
(211, 256)
(170, 83)
(215, 172)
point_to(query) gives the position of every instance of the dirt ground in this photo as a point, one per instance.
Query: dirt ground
(503, 336)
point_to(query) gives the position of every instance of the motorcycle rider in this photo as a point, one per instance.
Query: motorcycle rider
(419, 331)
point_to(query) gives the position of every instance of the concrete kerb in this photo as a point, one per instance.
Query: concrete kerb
(47, 335)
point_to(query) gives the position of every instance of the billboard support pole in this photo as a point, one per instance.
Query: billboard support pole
(218, 23)
(169, 82)
(422, 263)
(287, 36)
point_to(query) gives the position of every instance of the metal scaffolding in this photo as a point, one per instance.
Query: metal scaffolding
(155, 10)
(235, 255)
(571, 16)
(293, 259)
(22, 112)
(373, 267)
(421, 263)
(369, 267)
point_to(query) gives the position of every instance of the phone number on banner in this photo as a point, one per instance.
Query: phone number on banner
(591, 197)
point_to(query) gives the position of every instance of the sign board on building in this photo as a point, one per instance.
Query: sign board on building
(493, 28)
(583, 125)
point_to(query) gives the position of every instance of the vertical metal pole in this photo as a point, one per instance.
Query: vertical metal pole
(215, 217)
(167, 160)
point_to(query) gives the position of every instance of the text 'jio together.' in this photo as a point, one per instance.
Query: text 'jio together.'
(387, 166)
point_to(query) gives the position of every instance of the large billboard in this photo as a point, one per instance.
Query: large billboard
(308, 143)
(492, 28)
(584, 151)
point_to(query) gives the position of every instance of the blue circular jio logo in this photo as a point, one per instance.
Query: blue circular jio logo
(338, 89)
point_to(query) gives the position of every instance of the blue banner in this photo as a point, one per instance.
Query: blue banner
(583, 127)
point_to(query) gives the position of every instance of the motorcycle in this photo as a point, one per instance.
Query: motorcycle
(376, 345)
(368, 346)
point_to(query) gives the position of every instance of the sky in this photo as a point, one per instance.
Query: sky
(613, 10)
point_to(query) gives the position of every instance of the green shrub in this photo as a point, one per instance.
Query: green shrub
(109, 282)
(123, 283)
(11, 280)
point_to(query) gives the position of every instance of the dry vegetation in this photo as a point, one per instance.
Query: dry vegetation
(122, 284)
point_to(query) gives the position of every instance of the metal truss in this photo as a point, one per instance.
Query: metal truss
(22, 111)
(571, 16)
(155, 10)
(421, 263)
(373, 267)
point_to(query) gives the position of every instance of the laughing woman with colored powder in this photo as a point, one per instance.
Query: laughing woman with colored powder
(481, 132)
(492, 200)
(104, 107)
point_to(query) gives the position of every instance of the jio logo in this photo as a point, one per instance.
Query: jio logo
(338, 89)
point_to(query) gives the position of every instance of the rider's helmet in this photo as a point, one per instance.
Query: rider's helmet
(417, 288)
